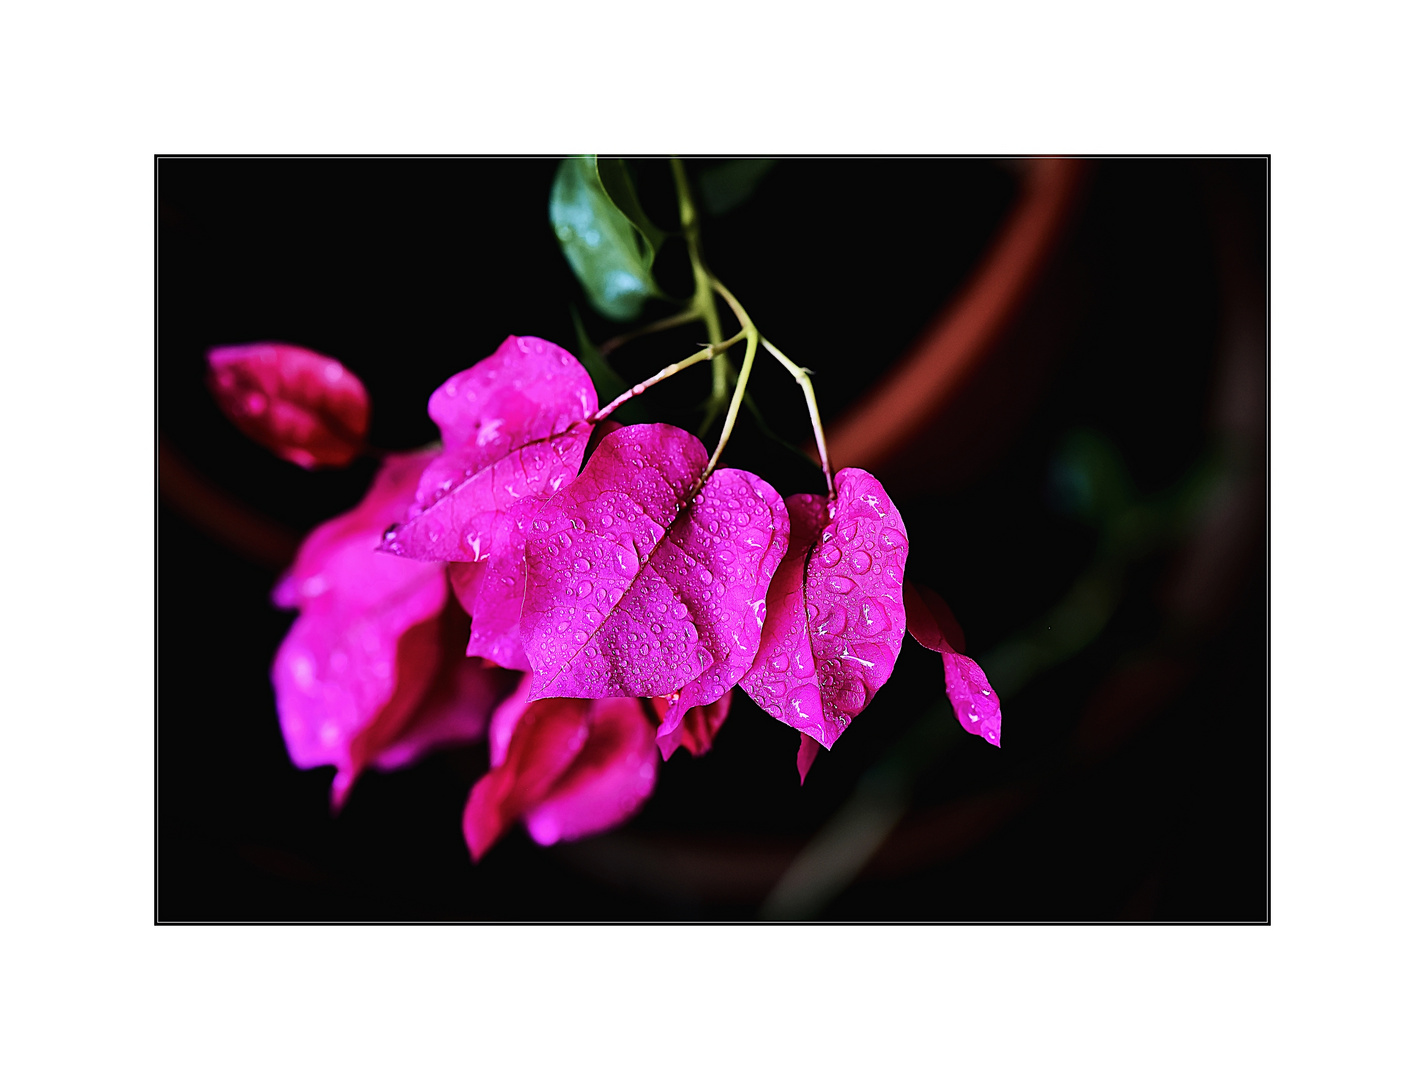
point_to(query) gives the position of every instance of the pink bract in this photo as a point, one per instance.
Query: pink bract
(305, 407)
(492, 592)
(931, 622)
(640, 583)
(372, 671)
(835, 617)
(694, 728)
(513, 425)
(806, 754)
(567, 767)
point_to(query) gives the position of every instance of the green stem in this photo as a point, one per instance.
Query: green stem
(804, 381)
(703, 302)
(709, 352)
(727, 424)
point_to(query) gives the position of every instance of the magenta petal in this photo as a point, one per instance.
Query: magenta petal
(506, 718)
(637, 587)
(513, 425)
(456, 710)
(932, 623)
(304, 407)
(694, 728)
(340, 554)
(546, 741)
(835, 616)
(492, 591)
(337, 670)
(976, 704)
(366, 647)
(806, 754)
(609, 780)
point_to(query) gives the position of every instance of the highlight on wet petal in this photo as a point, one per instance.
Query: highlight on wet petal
(835, 617)
(932, 623)
(694, 728)
(306, 408)
(642, 584)
(512, 426)
(567, 767)
(373, 670)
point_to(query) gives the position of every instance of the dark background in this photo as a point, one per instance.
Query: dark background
(1132, 783)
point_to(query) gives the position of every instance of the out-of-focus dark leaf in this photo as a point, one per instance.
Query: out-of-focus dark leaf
(726, 187)
(611, 258)
(608, 382)
(1088, 478)
(618, 185)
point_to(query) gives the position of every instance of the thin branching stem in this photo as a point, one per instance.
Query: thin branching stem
(804, 381)
(706, 353)
(691, 314)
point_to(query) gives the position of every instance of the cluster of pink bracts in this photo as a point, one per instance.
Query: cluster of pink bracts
(585, 619)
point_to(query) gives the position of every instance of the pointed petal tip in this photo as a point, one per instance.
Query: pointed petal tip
(668, 744)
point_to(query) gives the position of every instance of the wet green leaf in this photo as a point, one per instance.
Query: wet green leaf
(609, 255)
(727, 186)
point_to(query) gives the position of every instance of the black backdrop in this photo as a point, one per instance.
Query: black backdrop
(410, 269)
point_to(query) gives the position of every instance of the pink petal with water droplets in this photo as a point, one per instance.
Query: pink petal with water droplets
(547, 738)
(638, 588)
(835, 617)
(806, 754)
(932, 623)
(976, 704)
(610, 779)
(513, 425)
(304, 407)
(694, 728)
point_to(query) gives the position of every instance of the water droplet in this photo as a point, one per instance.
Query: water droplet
(835, 621)
(584, 589)
(860, 562)
(847, 532)
(840, 584)
(778, 662)
(582, 565)
(830, 555)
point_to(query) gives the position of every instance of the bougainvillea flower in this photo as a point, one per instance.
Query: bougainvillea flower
(373, 671)
(835, 617)
(696, 729)
(513, 425)
(304, 407)
(567, 767)
(931, 622)
(643, 584)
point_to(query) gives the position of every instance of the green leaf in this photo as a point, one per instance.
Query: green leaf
(608, 254)
(727, 186)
